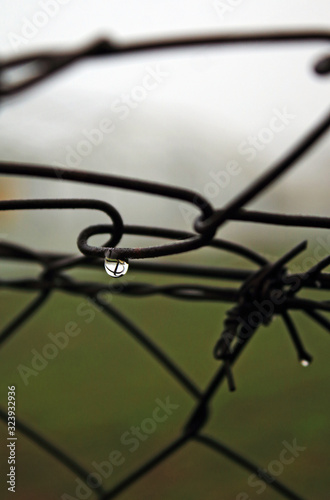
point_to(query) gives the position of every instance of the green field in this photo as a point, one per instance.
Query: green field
(103, 383)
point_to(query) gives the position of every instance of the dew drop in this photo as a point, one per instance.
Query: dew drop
(115, 268)
(304, 362)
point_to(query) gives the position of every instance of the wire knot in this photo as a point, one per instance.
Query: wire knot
(266, 293)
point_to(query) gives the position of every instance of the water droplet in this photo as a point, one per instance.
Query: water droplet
(304, 362)
(115, 268)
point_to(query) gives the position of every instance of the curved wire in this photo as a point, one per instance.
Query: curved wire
(49, 63)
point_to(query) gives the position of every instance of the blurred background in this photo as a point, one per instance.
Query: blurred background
(206, 110)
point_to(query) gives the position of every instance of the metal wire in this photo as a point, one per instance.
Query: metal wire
(269, 282)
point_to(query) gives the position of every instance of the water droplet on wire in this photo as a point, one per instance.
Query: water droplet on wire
(115, 268)
(304, 362)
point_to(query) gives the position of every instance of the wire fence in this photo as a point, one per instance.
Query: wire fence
(271, 284)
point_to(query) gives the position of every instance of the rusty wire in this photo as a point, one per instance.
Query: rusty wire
(270, 281)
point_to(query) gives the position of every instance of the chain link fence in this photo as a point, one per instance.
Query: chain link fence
(261, 294)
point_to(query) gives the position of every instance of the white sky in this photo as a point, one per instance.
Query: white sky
(192, 123)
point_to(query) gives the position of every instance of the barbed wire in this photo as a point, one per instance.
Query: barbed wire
(270, 283)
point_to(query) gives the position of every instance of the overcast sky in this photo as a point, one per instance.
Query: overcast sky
(197, 115)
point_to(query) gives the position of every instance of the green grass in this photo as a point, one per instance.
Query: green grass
(103, 383)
